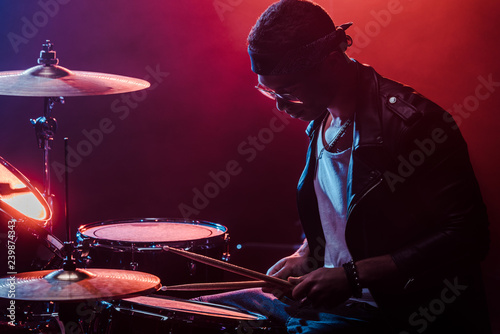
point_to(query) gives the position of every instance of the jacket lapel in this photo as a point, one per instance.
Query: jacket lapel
(306, 197)
(364, 171)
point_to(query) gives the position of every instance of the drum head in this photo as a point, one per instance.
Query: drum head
(18, 198)
(152, 230)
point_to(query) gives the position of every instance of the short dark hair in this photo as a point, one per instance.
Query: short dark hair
(289, 24)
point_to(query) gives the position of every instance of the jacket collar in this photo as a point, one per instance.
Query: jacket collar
(367, 119)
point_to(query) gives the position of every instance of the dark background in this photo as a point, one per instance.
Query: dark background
(164, 146)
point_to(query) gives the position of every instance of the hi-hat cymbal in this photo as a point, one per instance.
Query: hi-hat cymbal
(54, 81)
(78, 285)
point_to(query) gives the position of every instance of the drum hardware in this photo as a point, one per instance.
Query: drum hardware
(133, 264)
(191, 263)
(226, 256)
(152, 249)
(83, 249)
(70, 250)
(192, 268)
(52, 82)
(46, 126)
(45, 129)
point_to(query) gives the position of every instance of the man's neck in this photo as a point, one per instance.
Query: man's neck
(343, 111)
(343, 104)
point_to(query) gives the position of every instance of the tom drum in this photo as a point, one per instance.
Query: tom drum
(137, 244)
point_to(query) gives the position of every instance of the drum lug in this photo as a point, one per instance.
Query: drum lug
(226, 256)
(134, 265)
(83, 248)
(192, 268)
(87, 261)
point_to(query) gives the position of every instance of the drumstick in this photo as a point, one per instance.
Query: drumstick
(215, 286)
(230, 267)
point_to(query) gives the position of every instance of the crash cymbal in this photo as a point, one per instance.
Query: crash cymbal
(78, 285)
(54, 81)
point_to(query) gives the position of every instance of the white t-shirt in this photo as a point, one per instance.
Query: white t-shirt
(330, 185)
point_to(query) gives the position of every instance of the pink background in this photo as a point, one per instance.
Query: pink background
(165, 146)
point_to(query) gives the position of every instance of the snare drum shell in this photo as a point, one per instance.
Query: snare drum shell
(122, 252)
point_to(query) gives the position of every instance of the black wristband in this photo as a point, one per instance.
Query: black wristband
(351, 273)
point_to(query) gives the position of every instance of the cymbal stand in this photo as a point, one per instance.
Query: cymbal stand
(68, 314)
(46, 126)
(45, 129)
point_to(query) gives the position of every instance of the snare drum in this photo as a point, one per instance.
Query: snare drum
(158, 314)
(137, 244)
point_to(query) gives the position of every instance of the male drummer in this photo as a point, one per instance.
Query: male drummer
(394, 219)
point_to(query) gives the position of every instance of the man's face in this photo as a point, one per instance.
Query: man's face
(313, 90)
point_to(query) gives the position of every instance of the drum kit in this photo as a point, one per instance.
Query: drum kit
(110, 279)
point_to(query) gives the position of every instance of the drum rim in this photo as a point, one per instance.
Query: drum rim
(139, 244)
(15, 214)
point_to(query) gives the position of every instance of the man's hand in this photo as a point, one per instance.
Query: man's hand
(323, 287)
(293, 265)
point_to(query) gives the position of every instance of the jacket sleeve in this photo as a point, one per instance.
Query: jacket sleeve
(445, 188)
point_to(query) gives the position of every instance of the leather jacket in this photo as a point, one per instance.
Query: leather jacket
(412, 194)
